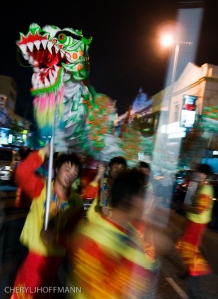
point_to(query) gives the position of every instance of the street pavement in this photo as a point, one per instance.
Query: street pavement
(166, 225)
(169, 283)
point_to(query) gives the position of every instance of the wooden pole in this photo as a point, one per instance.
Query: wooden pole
(48, 191)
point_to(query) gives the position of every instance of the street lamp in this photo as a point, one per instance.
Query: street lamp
(167, 40)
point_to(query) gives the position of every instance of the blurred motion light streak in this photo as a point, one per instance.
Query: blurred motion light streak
(165, 157)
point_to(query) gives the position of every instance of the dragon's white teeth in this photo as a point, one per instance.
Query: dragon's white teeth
(35, 84)
(46, 82)
(62, 54)
(54, 73)
(40, 84)
(26, 56)
(56, 49)
(49, 46)
(30, 46)
(23, 49)
(31, 60)
(44, 43)
(56, 67)
(37, 44)
(51, 78)
(34, 80)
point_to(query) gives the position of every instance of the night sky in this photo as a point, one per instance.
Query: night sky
(124, 54)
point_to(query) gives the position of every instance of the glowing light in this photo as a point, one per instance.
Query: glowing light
(167, 40)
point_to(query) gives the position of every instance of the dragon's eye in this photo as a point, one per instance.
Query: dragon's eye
(62, 38)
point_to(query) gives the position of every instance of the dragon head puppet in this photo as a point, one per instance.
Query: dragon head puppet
(51, 51)
(65, 105)
(57, 57)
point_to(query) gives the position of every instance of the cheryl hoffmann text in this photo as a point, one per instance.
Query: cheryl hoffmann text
(43, 290)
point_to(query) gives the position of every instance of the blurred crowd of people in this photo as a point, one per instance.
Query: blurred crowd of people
(109, 251)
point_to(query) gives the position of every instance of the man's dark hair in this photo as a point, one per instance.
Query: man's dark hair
(69, 158)
(125, 186)
(204, 168)
(143, 164)
(118, 160)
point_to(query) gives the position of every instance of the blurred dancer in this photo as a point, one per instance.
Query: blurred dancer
(198, 216)
(90, 169)
(22, 200)
(142, 225)
(108, 260)
(101, 203)
(46, 248)
(150, 197)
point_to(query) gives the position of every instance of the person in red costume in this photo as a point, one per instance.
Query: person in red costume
(22, 200)
(47, 248)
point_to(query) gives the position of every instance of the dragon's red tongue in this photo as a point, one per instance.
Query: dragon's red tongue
(45, 59)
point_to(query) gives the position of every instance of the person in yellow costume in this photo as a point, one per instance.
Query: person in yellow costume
(198, 216)
(46, 248)
(98, 208)
(108, 259)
